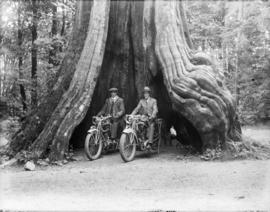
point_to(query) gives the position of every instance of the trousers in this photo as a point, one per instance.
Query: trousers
(114, 129)
(150, 131)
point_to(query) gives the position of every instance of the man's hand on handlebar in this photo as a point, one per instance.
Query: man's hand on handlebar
(102, 117)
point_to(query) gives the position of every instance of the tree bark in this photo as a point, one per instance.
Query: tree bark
(34, 55)
(53, 62)
(74, 104)
(147, 44)
(197, 91)
(52, 52)
(20, 41)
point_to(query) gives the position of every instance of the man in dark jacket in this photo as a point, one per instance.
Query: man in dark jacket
(115, 107)
(148, 106)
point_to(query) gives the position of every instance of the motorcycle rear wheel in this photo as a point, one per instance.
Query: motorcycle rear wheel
(125, 142)
(92, 150)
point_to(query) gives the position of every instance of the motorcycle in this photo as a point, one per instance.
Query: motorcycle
(98, 138)
(134, 137)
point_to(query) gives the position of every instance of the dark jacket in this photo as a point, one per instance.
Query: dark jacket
(115, 109)
(148, 107)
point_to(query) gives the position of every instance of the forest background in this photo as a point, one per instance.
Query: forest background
(34, 36)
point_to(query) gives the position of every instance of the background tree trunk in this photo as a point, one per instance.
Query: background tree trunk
(147, 44)
(34, 100)
(20, 41)
(52, 52)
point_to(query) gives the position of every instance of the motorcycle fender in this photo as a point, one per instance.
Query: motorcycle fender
(92, 129)
(128, 131)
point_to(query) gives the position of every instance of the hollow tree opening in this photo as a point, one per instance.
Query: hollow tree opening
(130, 44)
(118, 70)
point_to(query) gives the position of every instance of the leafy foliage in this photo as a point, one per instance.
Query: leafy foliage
(17, 15)
(238, 34)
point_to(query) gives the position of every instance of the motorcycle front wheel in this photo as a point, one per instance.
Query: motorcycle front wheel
(127, 147)
(92, 147)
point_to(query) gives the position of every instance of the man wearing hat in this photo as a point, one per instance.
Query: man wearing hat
(148, 106)
(115, 107)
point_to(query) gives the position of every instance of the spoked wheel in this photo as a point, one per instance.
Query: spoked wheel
(92, 146)
(127, 147)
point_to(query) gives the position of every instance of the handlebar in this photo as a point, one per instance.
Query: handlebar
(100, 118)
(131, 117)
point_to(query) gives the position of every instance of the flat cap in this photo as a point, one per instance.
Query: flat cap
(146, 89)
(113, 89)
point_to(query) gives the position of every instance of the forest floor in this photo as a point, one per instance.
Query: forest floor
(150, 182)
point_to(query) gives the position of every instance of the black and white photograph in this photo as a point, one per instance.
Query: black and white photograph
(134, 105)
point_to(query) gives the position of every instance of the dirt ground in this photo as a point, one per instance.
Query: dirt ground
(150, 182)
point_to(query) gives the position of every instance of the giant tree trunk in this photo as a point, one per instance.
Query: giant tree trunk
(193, 82)
(74, 104)
(148, 43)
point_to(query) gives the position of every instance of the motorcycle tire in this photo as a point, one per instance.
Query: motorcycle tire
(122, 148)
(89, 143)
